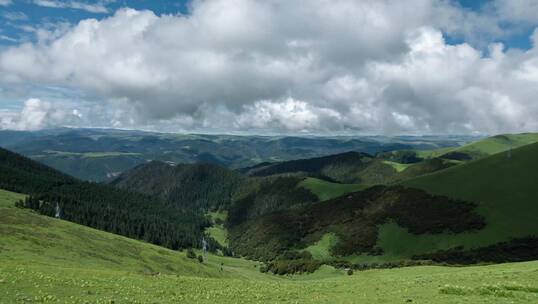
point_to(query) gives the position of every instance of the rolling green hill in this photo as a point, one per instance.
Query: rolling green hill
(339, 167)
(427, 166)
(45, 260)
(482, 148)
(504, 187)
(413, 163)
(346, 168)
(353, 168)
(265, 195)
(19, 174)
(274, 193)
(354, 218)
(205, 186)
(29, 238)
(501, 188)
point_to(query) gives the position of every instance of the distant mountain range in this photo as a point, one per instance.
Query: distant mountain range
(103, 154)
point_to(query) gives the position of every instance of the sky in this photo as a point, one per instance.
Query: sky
(271, 67)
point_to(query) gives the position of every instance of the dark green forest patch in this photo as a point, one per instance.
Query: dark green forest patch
(516, 250)
(355, 218)
(194, 186)
(339, 167)
(273, 194)
(100, 206)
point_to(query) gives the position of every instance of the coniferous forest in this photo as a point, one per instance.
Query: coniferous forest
(100, 206)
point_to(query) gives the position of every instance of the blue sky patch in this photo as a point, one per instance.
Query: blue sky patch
(20, 19)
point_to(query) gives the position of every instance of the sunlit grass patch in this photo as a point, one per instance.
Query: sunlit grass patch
(325, 190)
(397, 166)
(484, 290)
(321, 250)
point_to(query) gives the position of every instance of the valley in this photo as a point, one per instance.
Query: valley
(68, 263)
(394, 226)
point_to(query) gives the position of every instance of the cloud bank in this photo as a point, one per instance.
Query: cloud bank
(37, 114)
(284, 66)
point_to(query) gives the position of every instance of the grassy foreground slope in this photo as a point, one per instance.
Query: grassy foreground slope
(100, 206)
(503, 185)
(29, 238)
(506, 283)
(45, 260)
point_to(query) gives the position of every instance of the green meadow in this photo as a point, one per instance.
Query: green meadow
(217, 230)
(46, 260)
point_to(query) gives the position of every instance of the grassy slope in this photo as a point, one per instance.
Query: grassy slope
(53, 261)
(217, 230)
(397, 166)
(325, 190)
(488, 146)
(508, 283)
(321, 249)
(26, 236)
(506, 193)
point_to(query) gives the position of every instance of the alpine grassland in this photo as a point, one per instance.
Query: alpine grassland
(507, 283)
(48, 260)
(253, 152)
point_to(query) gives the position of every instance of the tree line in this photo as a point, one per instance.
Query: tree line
(101, 206)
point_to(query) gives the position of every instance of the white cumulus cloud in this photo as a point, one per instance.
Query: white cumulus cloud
(290, 66)
(37, 114)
